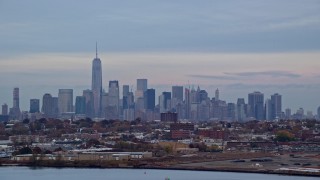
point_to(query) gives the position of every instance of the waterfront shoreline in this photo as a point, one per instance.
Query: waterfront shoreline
(224, 169)
(261, 163)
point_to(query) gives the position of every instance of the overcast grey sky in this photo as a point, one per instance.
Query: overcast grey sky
(237, 46)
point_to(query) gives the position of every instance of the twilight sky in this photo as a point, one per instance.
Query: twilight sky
(237, 46)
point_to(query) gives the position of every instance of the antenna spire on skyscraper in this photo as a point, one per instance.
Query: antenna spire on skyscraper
(96, 50)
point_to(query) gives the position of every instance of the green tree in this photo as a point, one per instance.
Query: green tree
(284, 136)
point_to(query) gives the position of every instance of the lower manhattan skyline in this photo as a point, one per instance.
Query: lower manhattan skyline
(273, 49)
(232, 84)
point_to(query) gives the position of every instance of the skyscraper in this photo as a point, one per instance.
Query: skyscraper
(269, 110)
(80, 106)
(276, 106)
(104, 104)
(194, 95)
(125, 90)
(5, 109)
(130, 100)
(96, 85)
(128, 105)
(241, 113)
(129, 109)
(288, 113)
(164, 100)
(149, 99)
(256, 102)
(177, 93)
(113, 99)
(142, 85)
(113, 93)
(47, 105)
(231, 111)
(16, 98)
(15, 110)
(300, 114)
(65, 100)
(177, 97)
(203, 95)
(34, 105)
(187, 102)
(88, 94)
(125, 93)
(217, 95)
(55, 107)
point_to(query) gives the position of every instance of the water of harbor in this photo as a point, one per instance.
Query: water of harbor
(27, 173)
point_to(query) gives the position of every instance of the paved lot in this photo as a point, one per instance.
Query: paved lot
(271, 163)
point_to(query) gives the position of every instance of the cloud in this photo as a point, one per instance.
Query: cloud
(266, 73)
(272, 86)
(293, 23)
(212, 77)
(241, 75)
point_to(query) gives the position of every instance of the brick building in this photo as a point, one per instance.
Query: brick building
(214, 134)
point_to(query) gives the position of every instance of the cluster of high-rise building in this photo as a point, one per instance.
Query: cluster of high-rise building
(186, 102)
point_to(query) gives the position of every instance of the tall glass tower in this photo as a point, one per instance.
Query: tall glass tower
(65, 100)
(16, 98)
(96, 85)
(34, 105)
(256, 102)
(142, 85)
(15, 110)
(47, 105)
(276, 106)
